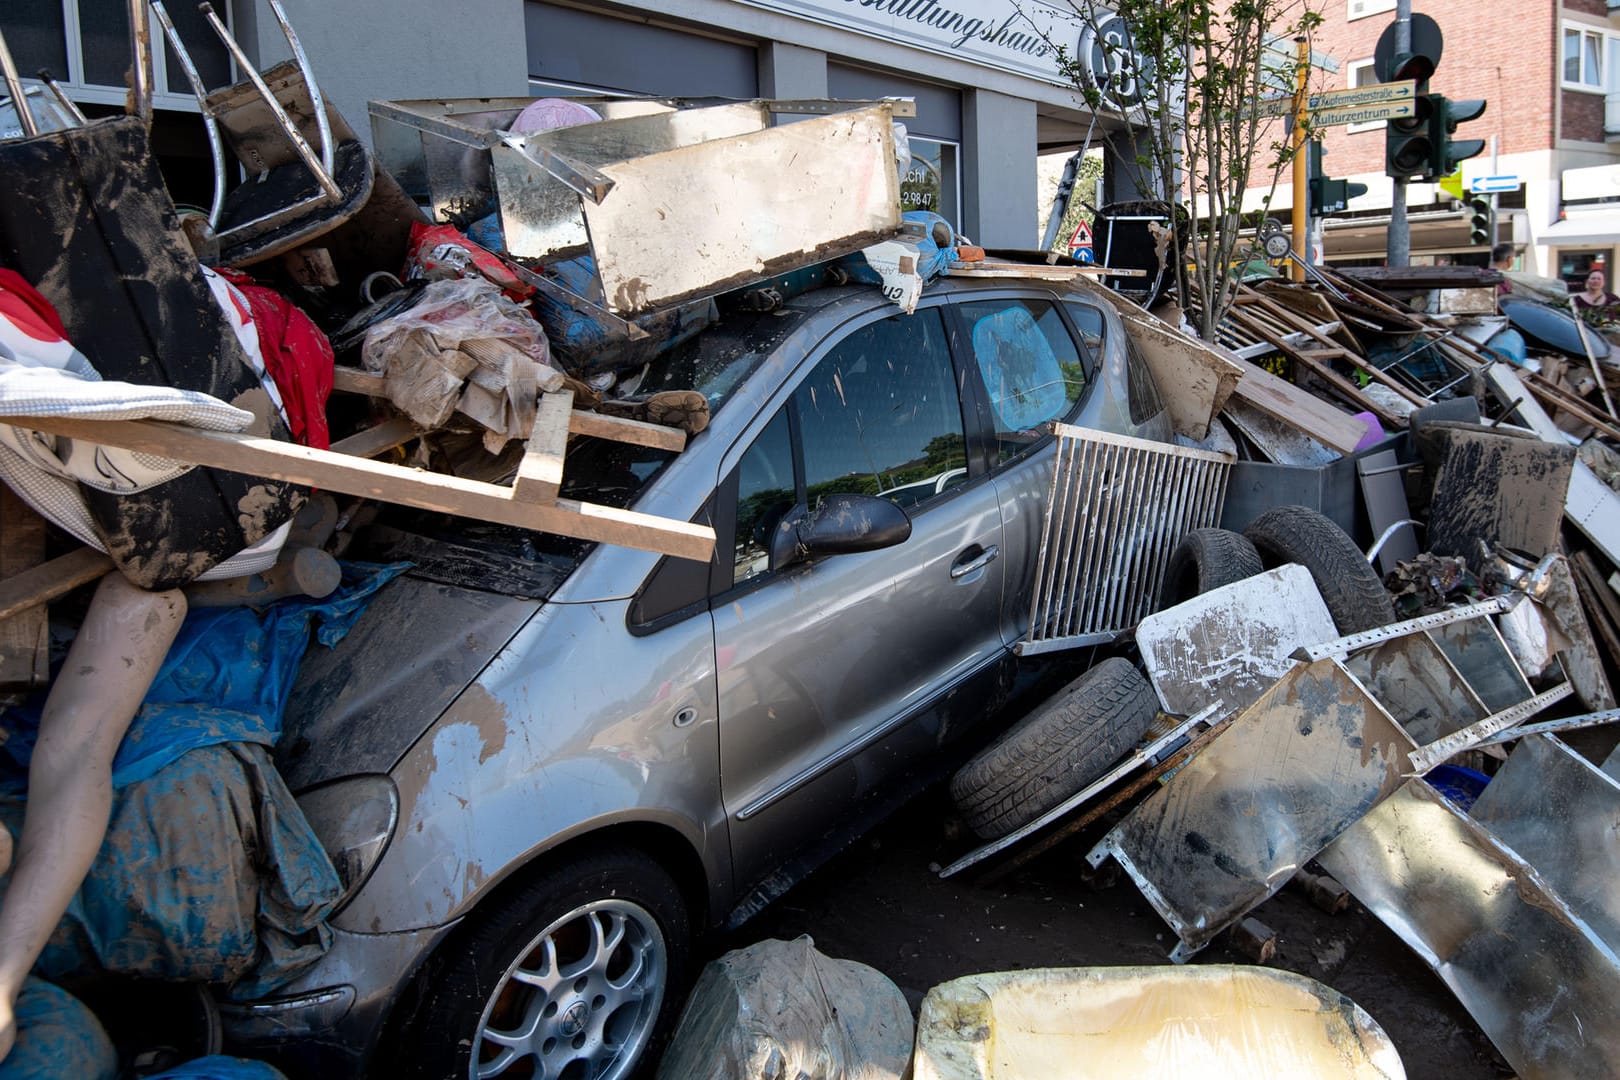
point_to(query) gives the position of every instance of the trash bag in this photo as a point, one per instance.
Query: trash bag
(781, 1009)
(220, 1067)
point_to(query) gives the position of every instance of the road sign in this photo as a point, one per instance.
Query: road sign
(1485, 185)
(1080, 243)
(1364, 114)
(1391, 94)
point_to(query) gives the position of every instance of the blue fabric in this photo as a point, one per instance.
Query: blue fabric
(226, 679)
(57, 1036)
(919, 229)
(220, 1067)
(1508, 344)
(1020, 369)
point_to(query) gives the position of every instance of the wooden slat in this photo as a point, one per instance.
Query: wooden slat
(1345, 387)
(1284, 401)
(620, 429)
(47, 581)
(352, 380)
(24, 647)
(623, 429)
(324, 469)
(377, 440)
(1556, 396)
(540, 473)
(1030, 270)
(1303, 325)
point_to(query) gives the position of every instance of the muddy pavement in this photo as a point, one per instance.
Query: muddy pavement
(880, 903)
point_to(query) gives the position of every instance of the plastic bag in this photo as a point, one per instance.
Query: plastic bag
(442, 253)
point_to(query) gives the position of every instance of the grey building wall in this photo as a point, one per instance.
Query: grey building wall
(998, 170)
(401, 49)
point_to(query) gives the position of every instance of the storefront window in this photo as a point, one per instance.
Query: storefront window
(1574, 264)
(931, 183)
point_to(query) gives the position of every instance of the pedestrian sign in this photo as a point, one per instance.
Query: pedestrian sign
(1080, 243)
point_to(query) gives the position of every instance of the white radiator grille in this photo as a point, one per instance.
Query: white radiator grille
(1118, 508)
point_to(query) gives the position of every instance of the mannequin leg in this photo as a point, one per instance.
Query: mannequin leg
(126, 634)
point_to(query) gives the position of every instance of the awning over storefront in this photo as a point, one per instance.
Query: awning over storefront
(1598, 227)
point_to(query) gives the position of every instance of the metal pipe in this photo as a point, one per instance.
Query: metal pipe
(19, 97)
(66, 102)
(316, 101)
(216, 145)
(1399, 236)
(322, 176)
(1301, 165)
(140, 40)
(1384, 537)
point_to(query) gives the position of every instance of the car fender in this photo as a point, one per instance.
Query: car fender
(577, 725)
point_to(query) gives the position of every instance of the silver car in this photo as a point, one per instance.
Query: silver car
(545, 768)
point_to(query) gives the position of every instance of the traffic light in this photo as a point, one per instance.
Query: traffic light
(1409, 148)
(1332, 196)
(1444, 116)
(1479, 221)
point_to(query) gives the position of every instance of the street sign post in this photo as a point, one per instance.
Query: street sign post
(1363, 114)
(1392, 96)
(1489, 185)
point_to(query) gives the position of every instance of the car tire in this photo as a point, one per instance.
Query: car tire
(1207, 559)
(588, 1011)
(1055, 751)
(1351, 588)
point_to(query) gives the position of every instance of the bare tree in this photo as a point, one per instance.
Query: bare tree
(1187, 82)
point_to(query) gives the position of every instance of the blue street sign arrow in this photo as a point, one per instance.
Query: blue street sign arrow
(1485, 185)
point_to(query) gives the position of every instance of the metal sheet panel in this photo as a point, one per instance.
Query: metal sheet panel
(1233, 642)
(1412, 679)
(1308, 759)
(1117, 508)
(1555, 808)
(1535, 977)
(1480, 655)
(700, 219)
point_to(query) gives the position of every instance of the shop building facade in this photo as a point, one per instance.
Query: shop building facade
(985, 80)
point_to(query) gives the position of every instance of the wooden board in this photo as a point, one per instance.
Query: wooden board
(24, 651)
(1286, 402)
(540, 473)
(377, 440)
(46, 582)
(324, 469)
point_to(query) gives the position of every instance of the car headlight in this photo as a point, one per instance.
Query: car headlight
(353, 819)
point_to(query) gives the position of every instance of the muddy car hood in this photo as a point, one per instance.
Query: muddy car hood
(358, 707)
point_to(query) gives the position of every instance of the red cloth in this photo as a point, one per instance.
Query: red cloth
(297, 356)
(24, 305)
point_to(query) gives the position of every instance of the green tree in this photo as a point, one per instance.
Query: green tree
(1179, 81)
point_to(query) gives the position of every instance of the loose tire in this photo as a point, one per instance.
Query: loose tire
(1351, 588)
(1055, 751)
(578, 972)
(1207, 559)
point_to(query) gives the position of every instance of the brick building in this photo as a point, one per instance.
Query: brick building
(1550, 70)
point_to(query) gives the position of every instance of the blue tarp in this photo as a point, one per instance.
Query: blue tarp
(226, 679)
(57, 1036)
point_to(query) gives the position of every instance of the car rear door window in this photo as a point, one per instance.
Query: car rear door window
(880, 415)
(1032, 370)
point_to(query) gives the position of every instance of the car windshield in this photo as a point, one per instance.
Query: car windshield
(714, 362)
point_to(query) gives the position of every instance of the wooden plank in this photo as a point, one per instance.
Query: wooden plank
(623, 429)
(352, 380)
(377, 440)
(1284, 401)
(540, 473)
(620, 429)
(1511, 392)
(1559, 398)
(996, 269)
(47, 581)
(1349, 390)
(1600, 612)
(24, 645)
(1305, 326)
(274, 460)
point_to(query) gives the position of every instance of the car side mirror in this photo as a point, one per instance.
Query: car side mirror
(842, 524)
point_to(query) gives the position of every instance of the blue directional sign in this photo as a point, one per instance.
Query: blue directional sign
(1485, 185)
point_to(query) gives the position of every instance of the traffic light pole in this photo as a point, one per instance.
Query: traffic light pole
(1301, 169)
(1400, 240)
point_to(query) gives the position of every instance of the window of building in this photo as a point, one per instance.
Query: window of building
(933, 182)
(85, 45)
(1361, 73)
(1583, 58)
(1359, 9)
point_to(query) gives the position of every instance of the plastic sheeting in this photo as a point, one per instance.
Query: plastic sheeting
(782, 1009)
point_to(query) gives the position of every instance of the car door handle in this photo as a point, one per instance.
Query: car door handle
(978, 562)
